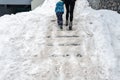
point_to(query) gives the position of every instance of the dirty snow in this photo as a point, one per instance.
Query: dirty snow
(32, 47)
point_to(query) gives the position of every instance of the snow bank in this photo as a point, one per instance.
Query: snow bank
(22, 44)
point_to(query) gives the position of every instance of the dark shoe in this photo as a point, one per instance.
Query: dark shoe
(70, 26)
(66, 24)
(60, 26)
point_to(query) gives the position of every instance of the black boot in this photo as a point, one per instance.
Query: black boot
(66, 24)
(61, 27)
(70, 26)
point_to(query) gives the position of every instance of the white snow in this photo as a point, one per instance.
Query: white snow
(31, 47)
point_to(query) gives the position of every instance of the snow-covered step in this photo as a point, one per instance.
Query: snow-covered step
(67, 33)
(66, 55)
(72, 41)
(63, 50)
(63, 33)
(63, 36)
(68, 36)
(72, 44)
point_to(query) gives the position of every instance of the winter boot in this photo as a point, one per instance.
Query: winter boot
(61, 27)
(70, 26)
(66, 23)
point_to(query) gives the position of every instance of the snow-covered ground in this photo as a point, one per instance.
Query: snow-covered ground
(32, 47)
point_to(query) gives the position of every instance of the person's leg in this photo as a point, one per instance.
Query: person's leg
(72, 4)
(67, 12)
(71, 14)
(57, 15)
(59, 20)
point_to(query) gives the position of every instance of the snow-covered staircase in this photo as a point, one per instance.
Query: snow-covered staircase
(67, 42)
(33, 48)
(70, 55)
(64, 41)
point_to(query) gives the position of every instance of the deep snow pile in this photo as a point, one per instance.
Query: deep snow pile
(23, 39)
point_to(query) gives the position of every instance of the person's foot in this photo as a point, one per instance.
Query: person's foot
(66, 24)
(61, 27)
(70, 26)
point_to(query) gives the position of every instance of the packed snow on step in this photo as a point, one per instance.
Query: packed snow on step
(23, 53)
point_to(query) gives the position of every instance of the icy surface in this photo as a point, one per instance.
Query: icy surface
(33, 48)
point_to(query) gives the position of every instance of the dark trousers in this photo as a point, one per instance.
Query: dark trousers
(69, 8)
(59, 18)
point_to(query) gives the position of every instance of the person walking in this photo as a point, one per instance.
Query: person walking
(69, 4)
(59, 9)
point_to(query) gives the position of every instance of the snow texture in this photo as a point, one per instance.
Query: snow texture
(33, 48)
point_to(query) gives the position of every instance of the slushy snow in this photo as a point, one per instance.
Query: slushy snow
(32, 47)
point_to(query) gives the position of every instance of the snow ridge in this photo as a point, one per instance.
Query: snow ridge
(33, 48)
